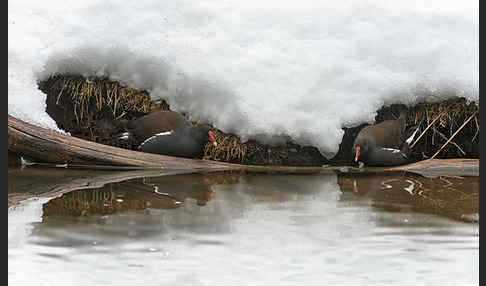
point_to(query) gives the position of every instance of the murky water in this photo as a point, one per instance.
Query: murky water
(235, 229)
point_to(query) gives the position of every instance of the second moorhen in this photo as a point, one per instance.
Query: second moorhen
(383, 144)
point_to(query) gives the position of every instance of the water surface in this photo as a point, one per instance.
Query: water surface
(235, 229)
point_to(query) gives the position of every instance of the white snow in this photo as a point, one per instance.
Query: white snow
(261, 69)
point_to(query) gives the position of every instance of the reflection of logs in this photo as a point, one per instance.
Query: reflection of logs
(99, 181)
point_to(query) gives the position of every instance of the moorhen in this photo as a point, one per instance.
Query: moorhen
(153, 123)
(183, 142)
(383, 144)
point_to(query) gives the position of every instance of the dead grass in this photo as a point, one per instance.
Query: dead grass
(442, 125)
(229, 148)
(87, 107)
(452, 113)
(101, 93)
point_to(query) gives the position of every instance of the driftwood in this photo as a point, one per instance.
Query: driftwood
(50, 146)
(54, 147)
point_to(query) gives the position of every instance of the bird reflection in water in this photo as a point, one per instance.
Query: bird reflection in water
(153, 192)
(447, 196)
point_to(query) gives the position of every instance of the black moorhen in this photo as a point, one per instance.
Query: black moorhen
(153, 123)
(184, 142)
(383, 144)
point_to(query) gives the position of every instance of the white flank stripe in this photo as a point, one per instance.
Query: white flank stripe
(391, 149)
(163, 133)
(155, 136)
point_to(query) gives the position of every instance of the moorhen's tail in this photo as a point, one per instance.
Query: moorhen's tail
(122, 124)
(124, 136)
(410, 133)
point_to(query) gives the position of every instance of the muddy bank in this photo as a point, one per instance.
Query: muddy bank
(90, 109)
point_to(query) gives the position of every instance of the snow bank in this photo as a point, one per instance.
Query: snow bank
(260, 69)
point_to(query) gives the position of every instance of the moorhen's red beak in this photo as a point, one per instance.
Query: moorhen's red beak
(211, 138)
(357, 153)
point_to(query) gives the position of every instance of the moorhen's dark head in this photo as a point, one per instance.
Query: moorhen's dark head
(361, 147)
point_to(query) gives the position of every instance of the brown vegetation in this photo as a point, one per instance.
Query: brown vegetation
(90, 108)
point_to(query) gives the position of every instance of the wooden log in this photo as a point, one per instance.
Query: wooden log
(50, 146)
(427, 168)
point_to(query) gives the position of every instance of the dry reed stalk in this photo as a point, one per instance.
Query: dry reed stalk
(430, 125)
(455, 133)
(452, 142)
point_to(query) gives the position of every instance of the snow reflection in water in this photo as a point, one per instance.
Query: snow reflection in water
(226, 229)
